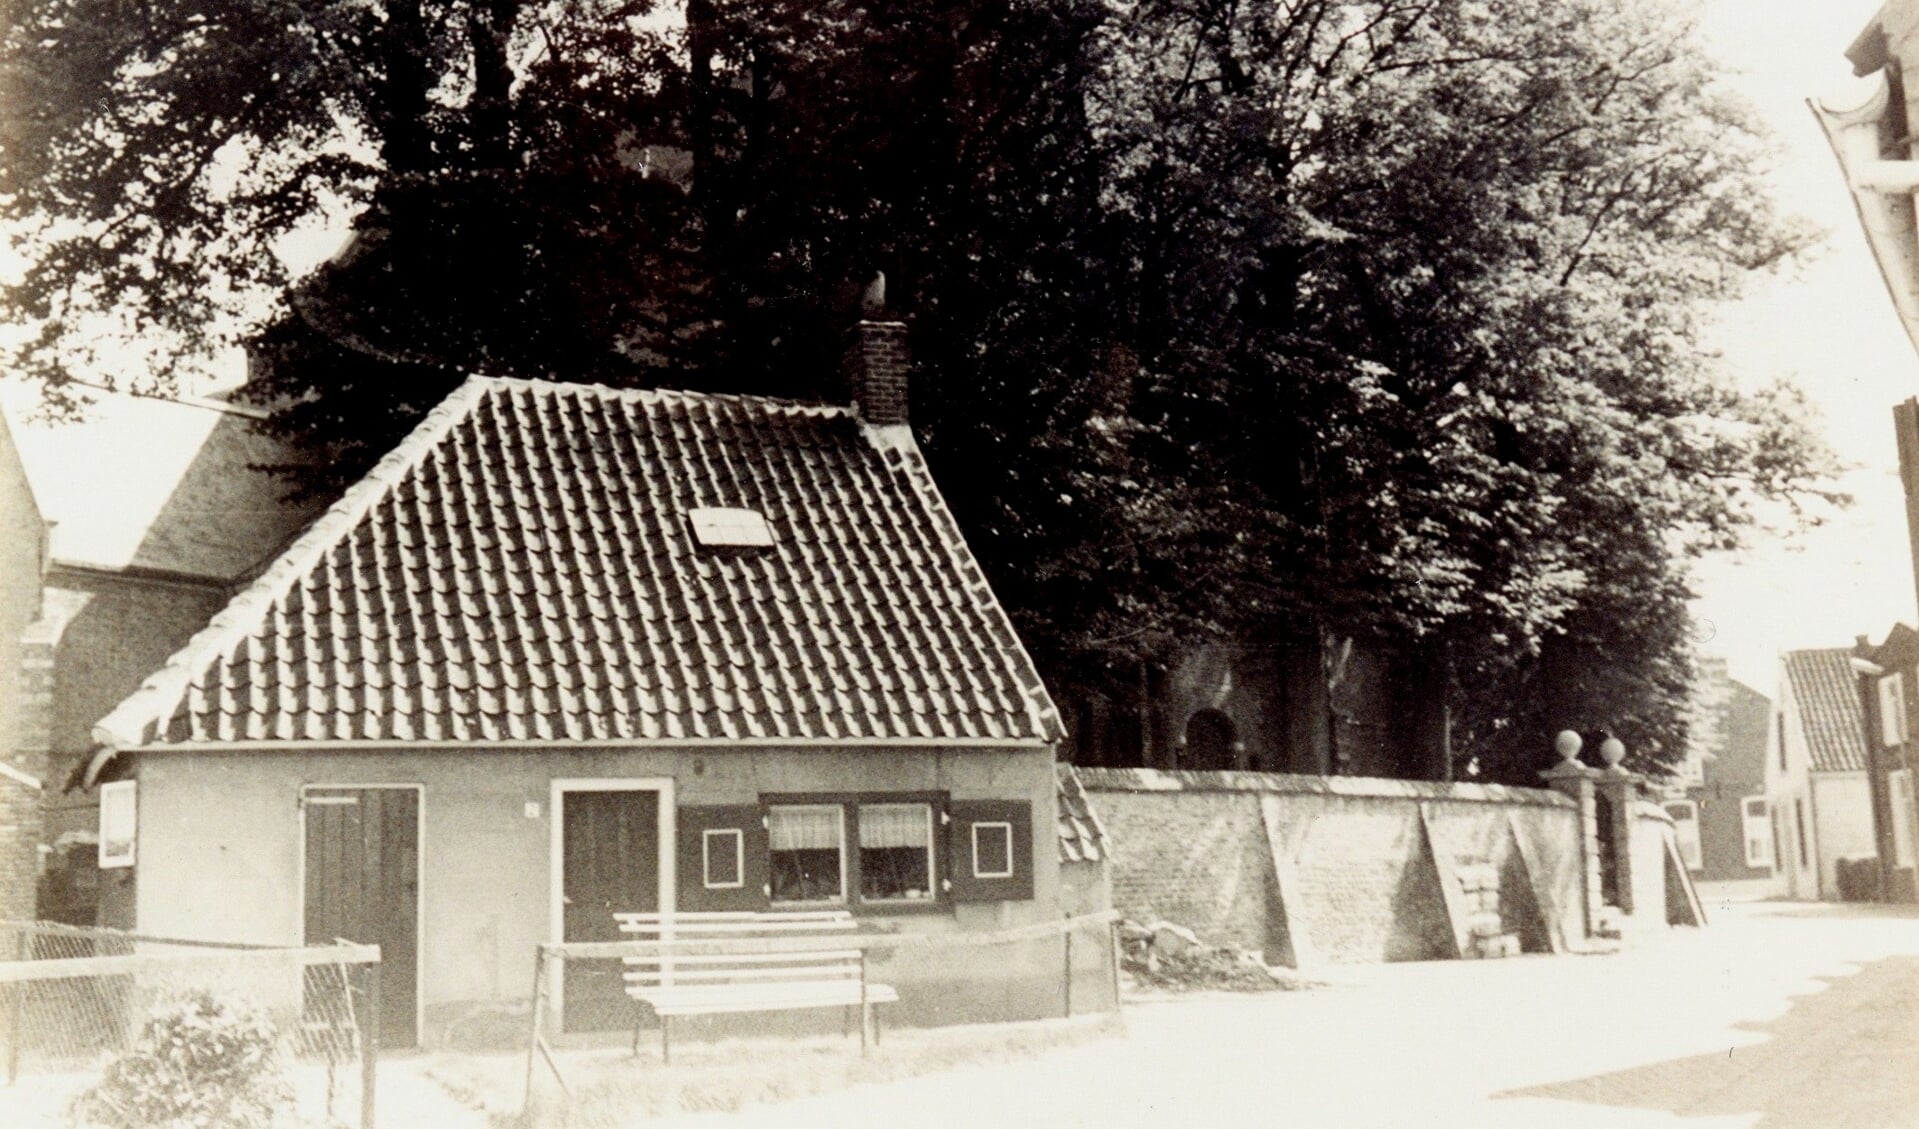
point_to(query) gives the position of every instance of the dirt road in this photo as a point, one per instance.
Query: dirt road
(1776, 1016)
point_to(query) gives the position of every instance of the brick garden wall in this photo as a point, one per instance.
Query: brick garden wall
(1342, 869)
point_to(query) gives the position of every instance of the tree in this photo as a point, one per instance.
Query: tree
(1316, 321)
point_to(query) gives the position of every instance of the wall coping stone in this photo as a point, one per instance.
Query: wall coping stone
(1164, 780)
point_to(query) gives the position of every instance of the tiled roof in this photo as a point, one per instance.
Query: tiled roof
(521, 568)
(1082, 837)
(1825, 688)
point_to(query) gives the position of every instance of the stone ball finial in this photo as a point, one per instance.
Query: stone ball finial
(1612, 750)
(1567, 745)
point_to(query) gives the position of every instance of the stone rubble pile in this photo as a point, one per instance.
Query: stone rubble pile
(1172, 957)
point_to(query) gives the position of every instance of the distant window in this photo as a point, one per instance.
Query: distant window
(1892, 709)
(1209, 742)
(1756, 819)
(719, 527)
(1781, 719)
(1899, 784)
(1799, 823)
(1685, 826)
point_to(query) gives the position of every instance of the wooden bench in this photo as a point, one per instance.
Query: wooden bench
(710, 963)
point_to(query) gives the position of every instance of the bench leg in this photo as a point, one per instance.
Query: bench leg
(866, 1021)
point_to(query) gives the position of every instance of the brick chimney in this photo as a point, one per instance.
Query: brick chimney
(878, 369)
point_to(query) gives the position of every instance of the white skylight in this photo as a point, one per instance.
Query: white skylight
(723, 527)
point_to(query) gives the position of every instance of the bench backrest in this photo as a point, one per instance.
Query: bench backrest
(798, 948)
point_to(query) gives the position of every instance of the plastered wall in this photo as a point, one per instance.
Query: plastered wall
(220, 857)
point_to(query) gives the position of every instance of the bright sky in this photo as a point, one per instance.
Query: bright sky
(1830, 325)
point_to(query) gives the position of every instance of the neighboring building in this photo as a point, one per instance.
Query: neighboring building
(23, 768)
(1888, 680)
(569, 650)
(149, 512)
(1816, 786)
(1721, 818)
(1313, 709)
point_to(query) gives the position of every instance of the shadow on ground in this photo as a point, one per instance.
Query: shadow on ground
(1846, 1056)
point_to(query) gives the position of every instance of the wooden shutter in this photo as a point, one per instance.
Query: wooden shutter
(742, 820)
(976, 832)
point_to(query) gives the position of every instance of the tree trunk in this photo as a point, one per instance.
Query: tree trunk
(400, 109)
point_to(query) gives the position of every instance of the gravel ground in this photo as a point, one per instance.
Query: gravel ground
(1778, 1016)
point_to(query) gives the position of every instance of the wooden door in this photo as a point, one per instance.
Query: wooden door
(363, 885)
(610, 863)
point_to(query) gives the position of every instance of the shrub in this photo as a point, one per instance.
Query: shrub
(200, 1061)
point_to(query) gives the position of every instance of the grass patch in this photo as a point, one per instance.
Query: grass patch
(611, 1087)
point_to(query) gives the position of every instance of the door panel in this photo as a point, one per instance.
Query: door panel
(363, 885)
(610, 843)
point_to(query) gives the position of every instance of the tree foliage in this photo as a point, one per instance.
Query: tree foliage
(1296, 320)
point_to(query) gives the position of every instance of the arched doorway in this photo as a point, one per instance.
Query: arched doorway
(1209, 742)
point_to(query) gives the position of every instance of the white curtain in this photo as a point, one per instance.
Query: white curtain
(895, 825)
(809, 828)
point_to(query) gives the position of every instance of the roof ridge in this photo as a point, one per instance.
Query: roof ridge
(549, 387)
(162, 690)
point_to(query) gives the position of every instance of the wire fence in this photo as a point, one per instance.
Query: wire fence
(101, 1027)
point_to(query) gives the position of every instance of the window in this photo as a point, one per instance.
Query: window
(723, 859)
(1685, 826)
(1209, 742)
(891, 857)
(806, 846)
(1782, 741)
(1899, 784)
(1892, 709)
(1799, 822)
(896, 852)
(993, 850)
(119, 812)
(720, 527)
(1756, 818)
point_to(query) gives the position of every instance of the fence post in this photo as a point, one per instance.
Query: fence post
(370, 1046)
(533, 1039)
(21, 946)
(1068, 933)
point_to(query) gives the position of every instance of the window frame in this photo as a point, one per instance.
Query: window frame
(1893, 730)
(1904, 849)
(707, 836)
(849, 804)
(1764, 859)
(1012, 866)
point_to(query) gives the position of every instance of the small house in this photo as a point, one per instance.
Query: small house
(1816, 787)
(1722, 822)
(1888, 679)
(569, 651)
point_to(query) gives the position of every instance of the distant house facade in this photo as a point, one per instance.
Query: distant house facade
(1888, 681)
(124, 531)
(1722, 818)
(1817, 791)
(569, 651)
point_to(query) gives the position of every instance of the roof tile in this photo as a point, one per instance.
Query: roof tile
(1823, 684)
